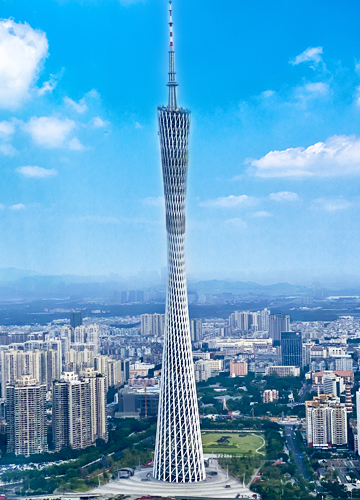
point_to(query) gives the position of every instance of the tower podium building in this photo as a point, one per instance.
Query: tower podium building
(178, 452)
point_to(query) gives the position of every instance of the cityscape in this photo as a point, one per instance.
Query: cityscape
(122, 374)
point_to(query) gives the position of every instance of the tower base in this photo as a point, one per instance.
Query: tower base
(217, 485)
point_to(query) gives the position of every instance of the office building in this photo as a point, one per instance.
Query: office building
(138, 402)
(178, 419)
(26, 417)
(76, 319)
(291, 349)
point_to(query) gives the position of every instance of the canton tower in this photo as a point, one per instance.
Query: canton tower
(178, 451)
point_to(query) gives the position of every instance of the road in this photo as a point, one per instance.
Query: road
(296, 451)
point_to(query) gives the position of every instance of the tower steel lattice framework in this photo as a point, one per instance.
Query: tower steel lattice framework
(178, 452)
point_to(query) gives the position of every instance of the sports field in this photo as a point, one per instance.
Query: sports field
(232, 443)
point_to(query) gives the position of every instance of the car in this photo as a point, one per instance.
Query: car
(227, 486)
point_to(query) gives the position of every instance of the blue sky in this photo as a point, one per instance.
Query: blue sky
(274, 90)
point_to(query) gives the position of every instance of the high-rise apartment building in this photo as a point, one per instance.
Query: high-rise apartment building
(178, 451)
(278, 323)
(26, 417)
(270, 396)
(44, 365)
(326, 422)
(97, 383)
(71, 412)
(358, 418)
(196, 330)
(291, 349)
(152, 324)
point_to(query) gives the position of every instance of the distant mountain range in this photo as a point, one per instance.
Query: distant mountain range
(241, 287)
(21, 283)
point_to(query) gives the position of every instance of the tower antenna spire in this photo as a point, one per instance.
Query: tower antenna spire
(172, 81)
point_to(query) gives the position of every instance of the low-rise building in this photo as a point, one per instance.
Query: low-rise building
(283, 371)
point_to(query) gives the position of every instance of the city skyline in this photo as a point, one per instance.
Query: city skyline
(78, 137)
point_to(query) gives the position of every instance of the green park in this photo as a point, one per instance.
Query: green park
(233, 443)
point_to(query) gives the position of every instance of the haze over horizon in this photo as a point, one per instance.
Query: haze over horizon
(275, 138)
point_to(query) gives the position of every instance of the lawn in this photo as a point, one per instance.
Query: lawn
(231, 443)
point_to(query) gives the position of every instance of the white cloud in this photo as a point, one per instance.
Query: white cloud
(283, 196)
(337, 156)
(76, 145)
(235, 223)
(262, 213)
(21, 51)
(267, 93)
(36, 172)
(154, 202)
(311, 54)
(49, 131)
(2, 207)
(48, 86)
(17, 207)
(228, 201)
(79, 107)
(6, 129)
(7, 149)
(98, 122)
(333, 204)
(138, 125)
(312, 90)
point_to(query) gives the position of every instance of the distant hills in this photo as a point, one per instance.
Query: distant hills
(241, 287)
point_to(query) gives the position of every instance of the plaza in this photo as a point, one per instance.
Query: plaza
(217, 485)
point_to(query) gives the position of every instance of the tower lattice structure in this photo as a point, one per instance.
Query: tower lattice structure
(178, 452)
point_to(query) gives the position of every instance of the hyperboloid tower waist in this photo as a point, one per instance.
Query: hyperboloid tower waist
(178, 452)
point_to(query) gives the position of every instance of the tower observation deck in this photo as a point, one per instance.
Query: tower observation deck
(178, 452)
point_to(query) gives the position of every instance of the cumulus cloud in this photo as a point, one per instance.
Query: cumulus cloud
(332, 204)
(283, 196)
(312, 90)
(339, 155)
(228, 201)
(7, 149)
(36, 172)
(21, 51)
(79, 107)
(98, 122)
(311, 54)
(6, 129)
(17, 207)
(48, 131)
(76, 145)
